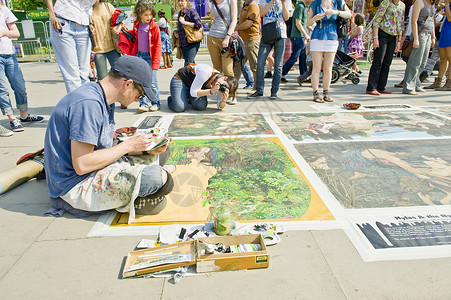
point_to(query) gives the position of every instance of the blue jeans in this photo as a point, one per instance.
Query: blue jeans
(181, 98)
(263, 51)
(154, 85)
(343, 44)
(72, 50)
(100, 61)
(9, 68)
(190, 52)
(248, 75)
(150, 180)
(297, 46)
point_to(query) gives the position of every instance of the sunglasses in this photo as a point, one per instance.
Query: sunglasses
(140, 90)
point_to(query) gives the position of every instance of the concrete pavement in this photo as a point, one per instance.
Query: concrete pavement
(52, 258)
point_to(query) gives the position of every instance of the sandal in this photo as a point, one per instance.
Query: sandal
(316, 97)
(326, 97)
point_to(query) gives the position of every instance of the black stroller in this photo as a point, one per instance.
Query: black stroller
(343, 67)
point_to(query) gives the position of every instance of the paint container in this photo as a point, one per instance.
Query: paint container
(221, 218)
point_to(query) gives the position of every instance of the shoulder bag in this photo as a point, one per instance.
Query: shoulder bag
(193, 35)
(343, 25)
(271, 32)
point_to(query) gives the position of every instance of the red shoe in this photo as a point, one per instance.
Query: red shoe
(170, 67)
(163, 67)
(374, 93)
(384, 91)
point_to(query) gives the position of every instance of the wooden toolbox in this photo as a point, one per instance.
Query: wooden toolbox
(231, 261)
(192, 252)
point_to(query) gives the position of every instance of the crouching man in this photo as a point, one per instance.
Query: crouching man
(86, 171)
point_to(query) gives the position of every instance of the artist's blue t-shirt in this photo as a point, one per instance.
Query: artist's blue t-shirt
(82, 115)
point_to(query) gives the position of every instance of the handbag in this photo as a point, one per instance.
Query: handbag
(193, 35)
(342, 27)
(271, 32)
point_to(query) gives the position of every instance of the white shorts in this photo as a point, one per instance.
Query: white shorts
(323, 45)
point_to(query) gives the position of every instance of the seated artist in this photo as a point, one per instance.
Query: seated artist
(86, 171)
(193, 83)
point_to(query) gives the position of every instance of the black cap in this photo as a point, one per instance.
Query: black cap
(136, 69)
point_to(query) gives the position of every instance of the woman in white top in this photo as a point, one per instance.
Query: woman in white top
(193, 83)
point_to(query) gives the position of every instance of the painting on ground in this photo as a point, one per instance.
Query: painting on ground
(442, 110)
(362, 125)
(212, 125)
(383, 174)
(262, 184)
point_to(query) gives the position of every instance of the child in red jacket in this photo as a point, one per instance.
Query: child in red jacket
(148, 47)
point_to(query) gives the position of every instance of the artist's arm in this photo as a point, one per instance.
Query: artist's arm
(12, 31)
(85, 159)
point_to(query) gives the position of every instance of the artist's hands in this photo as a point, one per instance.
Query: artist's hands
(139, 142)
(159, 150)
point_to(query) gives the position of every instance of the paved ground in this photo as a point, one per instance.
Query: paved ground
(44, 257)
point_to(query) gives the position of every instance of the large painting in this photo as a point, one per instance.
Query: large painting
(262, 184)
(362, 125)
(383, 174)
(212, 125)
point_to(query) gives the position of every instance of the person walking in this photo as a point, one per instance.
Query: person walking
(187, 17)
(272, 11)
(69, 33)
(223, 21)
(422, 16)
(387, 31)
(324, 42)
(248, 28)
(299, 37)
(9, 69)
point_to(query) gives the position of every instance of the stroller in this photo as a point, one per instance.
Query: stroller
(343, 67)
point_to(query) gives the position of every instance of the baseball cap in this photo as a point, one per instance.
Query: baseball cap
(136, 69)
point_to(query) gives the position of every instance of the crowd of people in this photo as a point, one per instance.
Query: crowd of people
(88, 170)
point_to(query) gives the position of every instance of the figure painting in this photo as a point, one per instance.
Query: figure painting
(362, 125)
(219, 125)
(383, 174)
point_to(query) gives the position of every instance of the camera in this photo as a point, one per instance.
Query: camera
(222, 87)
(224, 50)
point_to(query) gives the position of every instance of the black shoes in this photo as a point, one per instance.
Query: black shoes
(255, 95)
(268, 74)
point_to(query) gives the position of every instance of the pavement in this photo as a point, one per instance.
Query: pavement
(52, 258)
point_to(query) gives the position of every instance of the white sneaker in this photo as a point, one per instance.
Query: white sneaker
(5, 131)
(170, 168)
(143, 108)
(231, 101)
(154, 108)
